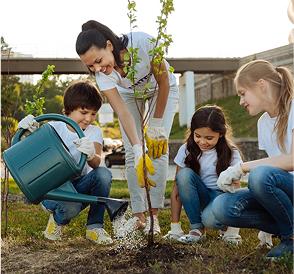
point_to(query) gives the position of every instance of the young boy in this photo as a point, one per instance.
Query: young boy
(81, 103)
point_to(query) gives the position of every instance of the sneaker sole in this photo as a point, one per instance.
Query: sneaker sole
(202, 238)
(51, 238)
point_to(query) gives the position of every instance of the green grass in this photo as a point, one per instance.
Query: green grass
(119, 189)
(242, 123)
(24, 240)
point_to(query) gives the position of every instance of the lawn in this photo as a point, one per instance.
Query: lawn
(24, 250)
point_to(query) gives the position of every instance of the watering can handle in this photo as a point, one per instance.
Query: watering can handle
(55, 117)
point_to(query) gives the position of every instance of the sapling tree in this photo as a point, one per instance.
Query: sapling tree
(36, 106)
(160, 45)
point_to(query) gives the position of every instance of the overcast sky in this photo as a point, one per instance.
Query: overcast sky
(200, 28)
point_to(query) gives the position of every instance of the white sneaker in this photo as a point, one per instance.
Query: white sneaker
(193, 237)
(98, 236)
(130, 226)
(156, 227)
(231, 235)
(53, 230)
(173, 235)
(265, 240)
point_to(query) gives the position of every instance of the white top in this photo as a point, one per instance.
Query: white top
(93, 133)
(207, 163)
(267, 137)
(141, 41)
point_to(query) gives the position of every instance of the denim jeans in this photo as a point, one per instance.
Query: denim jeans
(266, 205)
(97, 183)
(197, 199)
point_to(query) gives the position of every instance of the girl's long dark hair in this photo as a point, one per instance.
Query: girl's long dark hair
(96, 34)
(212, 117)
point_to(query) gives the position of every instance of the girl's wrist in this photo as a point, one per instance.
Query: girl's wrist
(243, 167)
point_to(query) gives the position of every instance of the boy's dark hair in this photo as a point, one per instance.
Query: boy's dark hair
(81, 94)
(212, 117)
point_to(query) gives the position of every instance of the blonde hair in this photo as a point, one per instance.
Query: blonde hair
(279, 77)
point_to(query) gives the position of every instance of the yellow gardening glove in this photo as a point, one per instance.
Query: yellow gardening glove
(138, 152)
(156, 138)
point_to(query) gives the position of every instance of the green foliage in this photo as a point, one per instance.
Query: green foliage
(10, 96)
(8, 129)
(131, 58)
(54, 104)
(165, 39)
(36, 106)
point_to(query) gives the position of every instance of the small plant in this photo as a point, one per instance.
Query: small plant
(161, 43)
(36, 106)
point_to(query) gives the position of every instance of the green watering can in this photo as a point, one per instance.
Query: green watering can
(42, 167)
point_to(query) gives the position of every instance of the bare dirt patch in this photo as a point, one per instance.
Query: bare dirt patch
(81, 256)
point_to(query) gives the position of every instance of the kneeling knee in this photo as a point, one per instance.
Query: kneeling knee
(65, 214)
(257, 178)
(103, 175)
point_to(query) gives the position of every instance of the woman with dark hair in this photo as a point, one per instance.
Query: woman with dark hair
(103, 52)
(207, 152)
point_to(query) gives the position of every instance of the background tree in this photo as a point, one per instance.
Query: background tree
(12, 108)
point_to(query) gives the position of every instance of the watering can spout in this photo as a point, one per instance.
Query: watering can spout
(115, 207)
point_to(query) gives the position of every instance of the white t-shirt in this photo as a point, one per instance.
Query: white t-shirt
(207, 163)
(93, 133)
(141, 41)
(267, 137)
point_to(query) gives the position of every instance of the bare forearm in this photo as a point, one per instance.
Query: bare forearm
(161, 75)
(161, 100)
(284, 161)
(95, 162)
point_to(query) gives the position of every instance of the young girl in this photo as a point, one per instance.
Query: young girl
(103, 53)
(267, 204)
(207, 152)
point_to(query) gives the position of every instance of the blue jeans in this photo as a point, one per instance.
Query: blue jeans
(197, 199)
(267, 204)
(96, 183)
